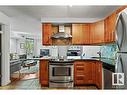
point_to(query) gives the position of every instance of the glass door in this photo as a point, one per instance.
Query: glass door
(61, 71)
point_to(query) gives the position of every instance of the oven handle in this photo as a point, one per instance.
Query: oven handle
(61, 81)
(61, 64)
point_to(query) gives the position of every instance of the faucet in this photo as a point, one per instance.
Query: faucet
(99, 53)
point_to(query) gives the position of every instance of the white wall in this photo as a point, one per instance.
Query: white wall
(20, 51)
(13, 45)
(38, 47)
(27, 24)
(5, 21)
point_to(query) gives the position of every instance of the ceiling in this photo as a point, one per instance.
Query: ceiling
(39, 12)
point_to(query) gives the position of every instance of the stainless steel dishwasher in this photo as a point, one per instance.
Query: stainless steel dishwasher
(107, 73)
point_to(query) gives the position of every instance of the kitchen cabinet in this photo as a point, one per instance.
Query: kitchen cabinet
(79, 73)
(97, 32)
(43, 73)
(110, 23)
(80, 34)
(121, 8)
(86, 34)
(98, 67)
(46, 34)
(88, 72)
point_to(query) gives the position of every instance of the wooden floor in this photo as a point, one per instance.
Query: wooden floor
(33, 84)
(28, 80)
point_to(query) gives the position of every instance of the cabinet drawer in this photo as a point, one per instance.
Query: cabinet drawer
(80, 72)
(80, 68)
(79, 64)
(79, 82)
(80, 77)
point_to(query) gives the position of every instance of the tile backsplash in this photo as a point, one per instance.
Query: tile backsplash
(109, 51)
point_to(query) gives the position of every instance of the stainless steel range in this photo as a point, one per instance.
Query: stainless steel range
(61, 73)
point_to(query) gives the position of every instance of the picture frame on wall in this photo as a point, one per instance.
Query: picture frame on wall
(22, 45)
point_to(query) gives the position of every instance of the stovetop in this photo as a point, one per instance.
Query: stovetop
(61, 61)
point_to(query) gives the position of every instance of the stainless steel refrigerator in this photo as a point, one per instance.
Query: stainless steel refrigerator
(121, 40)
(0, 55)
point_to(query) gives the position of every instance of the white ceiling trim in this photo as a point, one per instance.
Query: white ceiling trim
(70, 20)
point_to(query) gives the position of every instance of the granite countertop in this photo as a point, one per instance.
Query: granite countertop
(104, 60)
(107, 63)
(62, 61)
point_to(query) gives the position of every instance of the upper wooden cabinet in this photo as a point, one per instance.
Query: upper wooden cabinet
(110, 23)
(84, 34)
(46, 34)
(120, 9)
(80, 34)
(97, 32)
(86, 30)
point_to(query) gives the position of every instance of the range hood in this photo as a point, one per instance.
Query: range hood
(61, 34)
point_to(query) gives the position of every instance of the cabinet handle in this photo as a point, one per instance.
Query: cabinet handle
(49, 37)
(46, 68)
(99, 68)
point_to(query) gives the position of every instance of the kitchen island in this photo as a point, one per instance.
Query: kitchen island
(87, 71)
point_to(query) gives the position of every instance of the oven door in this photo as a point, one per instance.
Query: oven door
(61, 72)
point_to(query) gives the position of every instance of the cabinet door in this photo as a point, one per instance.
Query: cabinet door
(80, 34)
(97, 32)
(83, 72)
(99, 74)
(43, 73)
(94, 72)
(110, 23)
(86, 34)
(77, 34)
(92, 32)
(46, 33)
(79, 73)
(88, 79)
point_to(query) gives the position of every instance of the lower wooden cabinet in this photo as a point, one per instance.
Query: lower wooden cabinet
(88, 72)
(43, 73)
(98, 74)
(85, 73)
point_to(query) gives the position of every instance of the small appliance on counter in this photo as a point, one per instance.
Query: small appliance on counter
(74, 52)
(44, 52)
